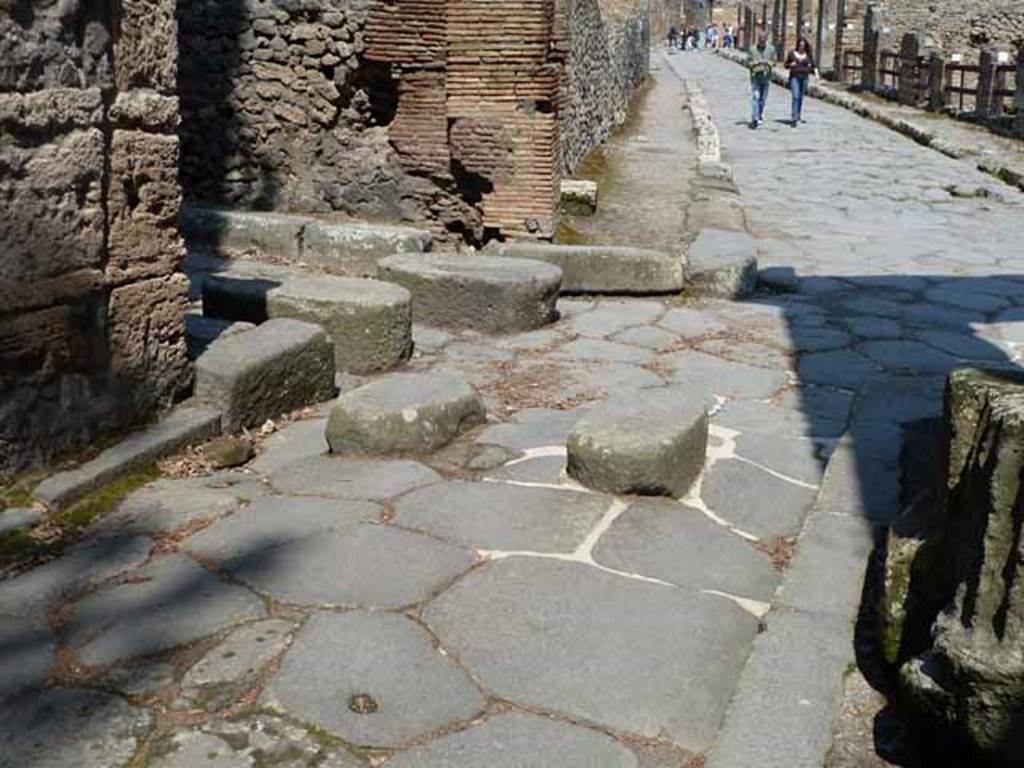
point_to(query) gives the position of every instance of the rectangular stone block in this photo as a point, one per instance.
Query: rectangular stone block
(146, 46)
(260, 374)
(244, 233)
(353, 249)
(143, 207)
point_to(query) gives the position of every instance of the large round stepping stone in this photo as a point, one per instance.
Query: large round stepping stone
(486, 293)
(653, 444)
(404, 413)
(370, 322)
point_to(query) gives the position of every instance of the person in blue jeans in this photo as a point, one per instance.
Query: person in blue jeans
(760, 59)
(801, 65)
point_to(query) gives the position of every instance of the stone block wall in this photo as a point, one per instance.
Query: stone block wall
(956, 26)
(453, 114)
(91, 304)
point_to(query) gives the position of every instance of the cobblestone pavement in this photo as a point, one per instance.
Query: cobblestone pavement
(477, 608)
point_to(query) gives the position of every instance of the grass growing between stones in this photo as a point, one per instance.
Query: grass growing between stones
(102, 500)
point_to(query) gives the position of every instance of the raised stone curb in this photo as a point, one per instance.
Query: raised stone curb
(652, 444)
(202, 331)
(709, 145)
(485, 293)
(370, 322)
(19, 519)
(184, 426)
(604, 268)
(404, 413)
(722, 264)
(257, 375)
(354, 249)
(244, 233)
(716, 213)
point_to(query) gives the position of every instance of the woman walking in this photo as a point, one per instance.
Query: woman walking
(801, 65)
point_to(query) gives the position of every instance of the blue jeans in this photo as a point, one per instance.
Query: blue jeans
(759, 92)
(798, 87)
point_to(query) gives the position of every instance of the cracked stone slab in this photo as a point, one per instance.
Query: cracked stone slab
(647, 336)
(643, 658)
(340, 478)
(838, 368)
(908, 356)
(654, 445)
(516, 741)
(27, 652)
(403, 413)
(705, 375)
(754, 500)
(172, 602)
(675, 543)
(270, 522)
(497, 516)
(69, 727)
(371, 566)
(691, 322)
(298, 440)
(722, 264)
(599, 349)
(609, 318)
(532, 428)
(802, 459)
(549, 470)
(964, 346)
(393, 687)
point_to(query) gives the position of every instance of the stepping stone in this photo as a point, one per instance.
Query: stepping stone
(257, 375)
(241, 233)
(393, 686)
(486, 293)
(722, 264)
(604, 269)
(404, 413)
(720, 213)
(354, 248)
(201, 331)
(370, 322)
(650, 445)
(236, 290)
(579, 198)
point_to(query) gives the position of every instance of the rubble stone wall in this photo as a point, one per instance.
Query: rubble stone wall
(91, 304)
(446, 113)
(956, 27)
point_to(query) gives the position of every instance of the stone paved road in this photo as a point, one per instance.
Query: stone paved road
(478, 608)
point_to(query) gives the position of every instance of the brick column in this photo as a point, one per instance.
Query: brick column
(837, 63)
(986, 82)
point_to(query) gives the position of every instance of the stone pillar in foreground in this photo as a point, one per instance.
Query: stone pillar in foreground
(872, 42)
(986, 82)
(936, 81)
(907, 91)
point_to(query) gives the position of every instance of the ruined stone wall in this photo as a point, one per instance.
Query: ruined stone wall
(956, 26)
(447, 113)
(91, 305)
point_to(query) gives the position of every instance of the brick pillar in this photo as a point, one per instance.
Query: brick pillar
(837, 62)
(986, 81)
(800, 13)
(872, 41)
(1018, 101)
(936, 81)
(783, 29)
(907, 85)
(776, 6)
(819, 37)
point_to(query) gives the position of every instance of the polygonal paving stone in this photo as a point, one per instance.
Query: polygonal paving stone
(519, 741)
(391, 685)
(370, 322)
(800, 458)
(704, 375)
(839, 368)
(173, 602)
(814, 339)
(964, 345)
(650, 445)
(352, 478)
(270, 522)
(755, 500)
(609, 318)
(549, 470)
(532, 428)
(691, 322)
(598, 349)
(647, 336)
(27, 652)
(749, 352)
(462, 350)
(594, 380)
(497, 516)
(69, 727)
(486, 293)
(951, 295)
(929, 315)
(908, 356)
(637, 657)
(869, 327)
(403, 413)
(675, 543)
(372, 566)
(298, 440)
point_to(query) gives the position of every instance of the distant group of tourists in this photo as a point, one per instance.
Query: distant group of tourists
(800, 64)
(709, 38)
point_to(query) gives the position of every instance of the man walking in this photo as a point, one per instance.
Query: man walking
(760, 58)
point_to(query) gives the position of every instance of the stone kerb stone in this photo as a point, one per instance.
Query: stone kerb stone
(403, 413)
(257, 375)
(604, 269)
(485, 293)
(354, 249)
(722, 264)
(579, 197)
(652, 443)
(709, 145)
(370, 322)
(240, 233)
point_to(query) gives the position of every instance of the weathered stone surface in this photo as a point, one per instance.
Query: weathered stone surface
(516, 740)
(722, 264)
(532, 428)
(257, 375)
(513, 624)
(227, 451)
(403, 413)
(370, 322)
(611, 317)
(652, 445)
(84, 728)
(604, 269)
(579, 197)
(19, 518)
(754, 500)
(202, 331)
(720, 213)
(496, 516)
(705, 375)
(244, 233)
(954, 604)
(174, 602)
(28, 651)
(354, 249)
(298, 440)
(338, 478)
(390, 662)
(486, 293)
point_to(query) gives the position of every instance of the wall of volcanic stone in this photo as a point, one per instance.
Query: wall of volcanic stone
(91, 304)
(956, 27)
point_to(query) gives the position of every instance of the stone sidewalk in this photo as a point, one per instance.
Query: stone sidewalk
(477, 608)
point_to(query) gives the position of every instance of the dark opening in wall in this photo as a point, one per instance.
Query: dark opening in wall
(472, 186)
(377, 82)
